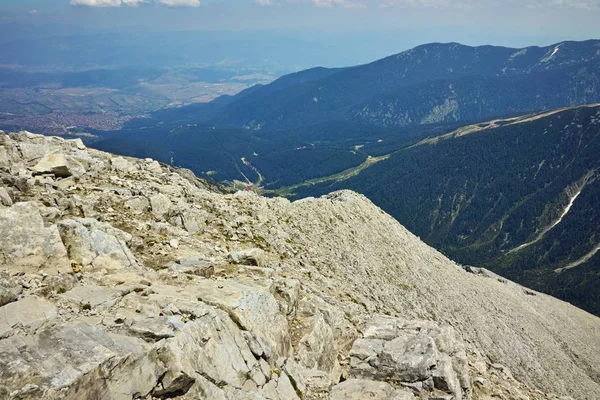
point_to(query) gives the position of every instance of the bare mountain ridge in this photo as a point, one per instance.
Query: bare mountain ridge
(124, 278)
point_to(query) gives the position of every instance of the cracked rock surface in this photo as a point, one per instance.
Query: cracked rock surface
(123, 278)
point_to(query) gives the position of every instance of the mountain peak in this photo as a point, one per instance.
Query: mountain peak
(122, 267)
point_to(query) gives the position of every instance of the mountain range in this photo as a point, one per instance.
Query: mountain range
(433, 83)
(487, 153)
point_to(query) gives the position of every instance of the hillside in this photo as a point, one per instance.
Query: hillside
(432, 83)
(519, 196)
(125, 278)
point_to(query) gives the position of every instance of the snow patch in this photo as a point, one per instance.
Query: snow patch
(517, 54)
(549, 57)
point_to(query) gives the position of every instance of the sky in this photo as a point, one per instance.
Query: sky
(515, 23)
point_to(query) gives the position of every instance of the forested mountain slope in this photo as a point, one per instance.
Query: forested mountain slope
(431, 83)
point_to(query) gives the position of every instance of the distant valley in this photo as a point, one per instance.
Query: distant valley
(73, 102)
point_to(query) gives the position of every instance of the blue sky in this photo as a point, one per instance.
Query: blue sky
(507, 22)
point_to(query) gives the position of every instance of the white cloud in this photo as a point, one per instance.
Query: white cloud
(179, 3)
(330, 3)
(106, 3)
(33, 12)
(264, 3)
(119, 3)
(582, 4)
(339, 3)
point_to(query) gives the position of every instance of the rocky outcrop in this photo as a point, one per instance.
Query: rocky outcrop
(419, 354)
(128, 279)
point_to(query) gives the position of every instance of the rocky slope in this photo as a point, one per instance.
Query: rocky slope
(126, 279)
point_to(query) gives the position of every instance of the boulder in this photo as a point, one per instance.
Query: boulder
(280, 389)
(6, 296)
(59, 165)
(315, 348)
(360, 389)
(91, 296)
(194, 265)
(139, 204)
(154, 329)
(419, 353)
(120, 164)
(95, 243)
(5, 198)
(27, 315)
(211, 346)
(254, 309)
(74, 361)
(248, 257)
(26, 242)
(160, 204)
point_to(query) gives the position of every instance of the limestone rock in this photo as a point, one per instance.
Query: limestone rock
(122, 165)
(254, 309)
(6, 296)
(26, 242)
(138, 203)
(160, 204)
(248, 257)
(261, 298)
(27, 314)
(5, 198)
(210, 346)
(91, 242)
(359, 389)
(59, 165)
(71, 361)
(91, 296)
(411, 351)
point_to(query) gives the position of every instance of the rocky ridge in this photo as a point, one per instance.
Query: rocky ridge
(127, 279)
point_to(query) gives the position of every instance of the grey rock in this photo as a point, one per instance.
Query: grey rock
(246, 331)
(59, 165)
(411, 351)
(69, 361)
(211, 346)
(253, 308)
(160, 204)
(122, 165)
(5, 198)
(91, 296)
(195, 265)
(98, 244)
(138, 203)
(154, 329)
(248, 257)
(26, 242)
(313, 349)
(7, 296)
(28, 314)
(288, 290)
(360, 389)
